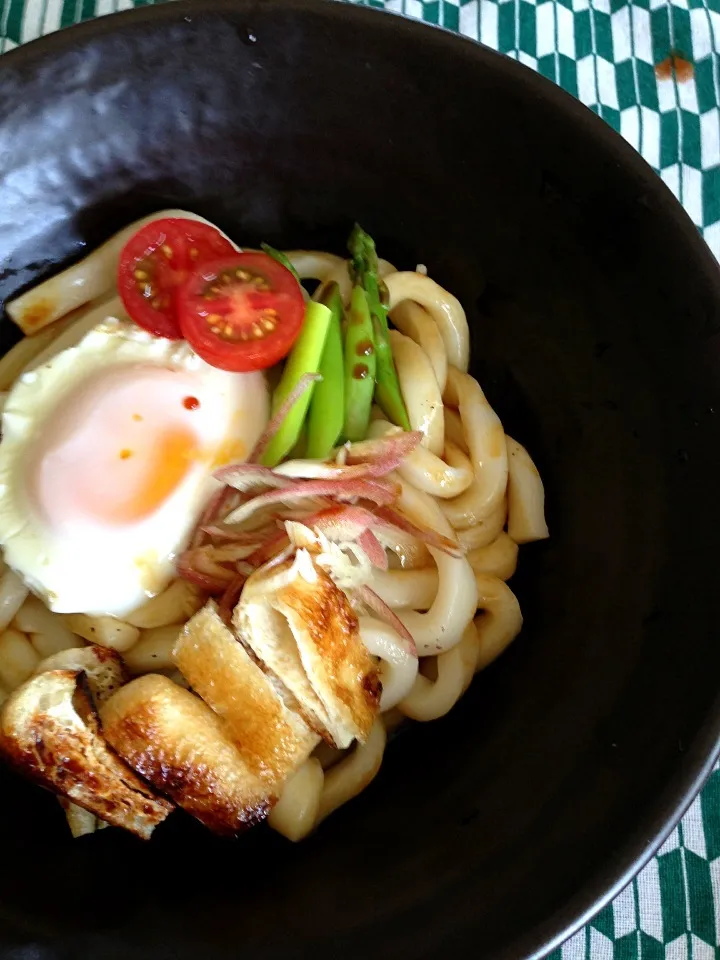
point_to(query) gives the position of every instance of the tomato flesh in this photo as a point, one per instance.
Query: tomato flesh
(241, 312)
(156, 261)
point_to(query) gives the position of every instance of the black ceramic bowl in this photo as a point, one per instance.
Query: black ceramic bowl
(595, 313)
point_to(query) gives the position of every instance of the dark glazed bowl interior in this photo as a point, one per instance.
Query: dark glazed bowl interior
(595, 316)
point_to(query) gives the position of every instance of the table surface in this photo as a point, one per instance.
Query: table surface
(651, 69)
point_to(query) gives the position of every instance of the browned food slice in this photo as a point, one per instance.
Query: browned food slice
(272, 739)
(50, 732)
(172, 739)
(103, 667)
(105, 673)
(301, 626)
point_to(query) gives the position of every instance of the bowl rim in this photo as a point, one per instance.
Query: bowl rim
(664, 811)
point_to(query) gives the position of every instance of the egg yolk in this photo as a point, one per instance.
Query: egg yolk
(119, 448)
(164, 469)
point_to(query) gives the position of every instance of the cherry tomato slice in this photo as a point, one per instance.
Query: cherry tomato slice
(242, 312)
(156, 261)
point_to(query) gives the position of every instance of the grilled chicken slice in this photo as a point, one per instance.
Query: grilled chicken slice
(176, 742)
(50, 732)
(273, 740)
(301, 627)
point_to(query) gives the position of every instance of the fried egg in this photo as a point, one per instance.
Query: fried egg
(106, 464)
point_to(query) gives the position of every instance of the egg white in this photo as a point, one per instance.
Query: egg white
(95, 568)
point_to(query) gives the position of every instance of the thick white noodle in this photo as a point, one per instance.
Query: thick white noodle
(296, 811)
(486, 531)
(327, 755)
(107, 631)
(406, 589)
(338, 273)
(325, 267)
(18, 659)
(385, 268)
(75, 331)
(54, 641)
(314, 264)
(80, 821)
(13, 594)
(398, 667)
(92, 277)
(406, 552)
(351, 775)
(415, 322)
(47, 631)
(341, 277)
(443, 307)
(488, 452)
(153, 651)
(500, 621)
(440, 478)
(498, 559)
(420, 391)
(455, 603)
(443, 477)
(31, 351)
(24, 352)
(417, 589)
(430, 699)
(454, 429)
(526, 496)
(176, 604)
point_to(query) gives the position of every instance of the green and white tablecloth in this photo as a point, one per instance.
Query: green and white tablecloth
(650, 68)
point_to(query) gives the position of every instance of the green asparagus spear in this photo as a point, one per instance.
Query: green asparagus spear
(359, 367)
(281, 259)
(303, 358)
(327, 406)
(364, 268)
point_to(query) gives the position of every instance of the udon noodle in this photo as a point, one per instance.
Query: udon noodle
(467, 481)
